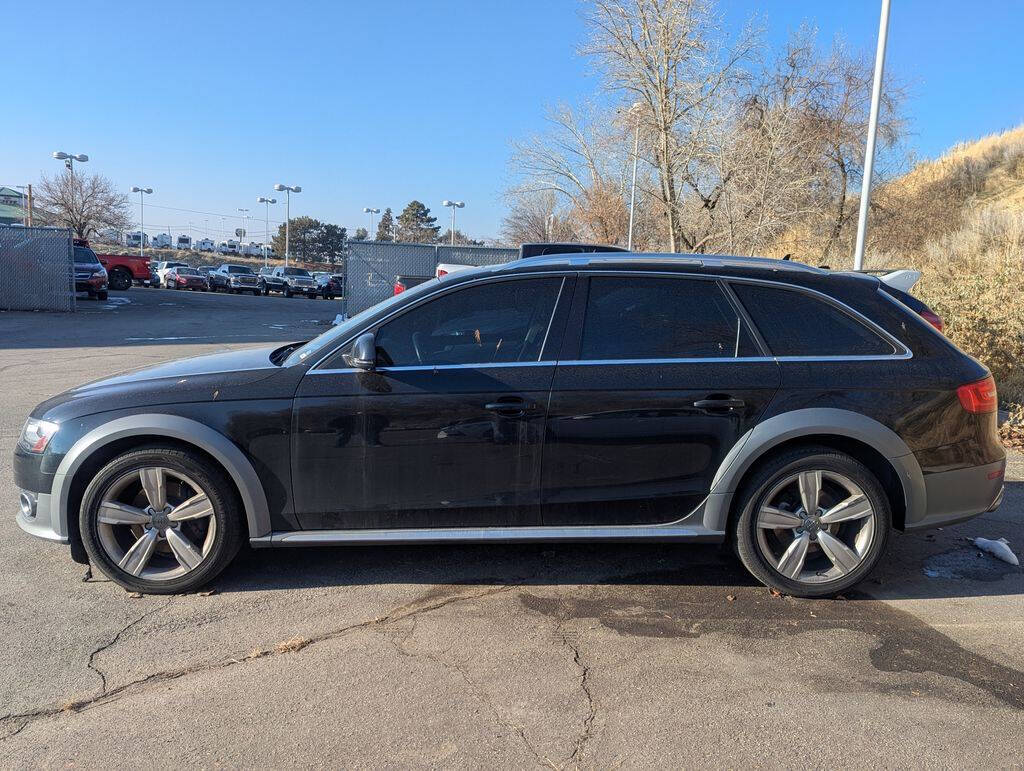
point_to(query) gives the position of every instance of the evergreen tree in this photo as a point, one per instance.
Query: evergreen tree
(415, 225)
(386, 226)
(302, 237)
(330, 242)
(360, 235)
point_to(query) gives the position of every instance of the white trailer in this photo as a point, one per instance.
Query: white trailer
(252, 249)
(132, 239)
(162, 241)
(228, 247)
(184, 242)
(206, 245)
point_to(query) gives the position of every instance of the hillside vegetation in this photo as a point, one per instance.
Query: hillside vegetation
(959, 219)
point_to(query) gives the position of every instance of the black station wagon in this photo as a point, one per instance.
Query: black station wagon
(798, 414)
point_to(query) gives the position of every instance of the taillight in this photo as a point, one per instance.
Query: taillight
(399, 287)
(441, 272)
(932, 318)
(978, 397)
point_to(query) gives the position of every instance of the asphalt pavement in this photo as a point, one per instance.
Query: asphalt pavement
(558, 656)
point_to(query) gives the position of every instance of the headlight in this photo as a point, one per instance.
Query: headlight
(37, 434)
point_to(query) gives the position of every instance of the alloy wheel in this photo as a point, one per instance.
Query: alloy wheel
(156, 523)
(815, 526)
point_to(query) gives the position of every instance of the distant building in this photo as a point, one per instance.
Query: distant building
(12, 206)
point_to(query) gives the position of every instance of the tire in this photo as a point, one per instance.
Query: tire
(256, 292)
(102, 296)
(119, 280)
(835, 555)
(214, 534)
(287, 292)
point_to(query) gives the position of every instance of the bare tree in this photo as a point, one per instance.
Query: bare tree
(84, 203)
(669, 55)
(535, 217)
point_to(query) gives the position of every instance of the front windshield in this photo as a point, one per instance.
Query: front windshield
(296, 272)
(85, 256)
(239, 269)
(336, 334)
(187, 272)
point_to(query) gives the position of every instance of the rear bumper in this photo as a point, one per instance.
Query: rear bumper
(954, 496)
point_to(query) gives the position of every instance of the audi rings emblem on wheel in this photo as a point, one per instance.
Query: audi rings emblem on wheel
(156, 523)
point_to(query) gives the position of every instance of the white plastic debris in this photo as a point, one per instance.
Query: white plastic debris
(999, 549)
(341, 318)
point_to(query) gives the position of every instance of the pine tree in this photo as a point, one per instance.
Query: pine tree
(386, 226)
(360, 234)
(415, 225)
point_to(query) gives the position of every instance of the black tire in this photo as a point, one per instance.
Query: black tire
(753, 495)
(119, 280)
(287, 292)
(256, 292)
(102, 296)
(227, 539)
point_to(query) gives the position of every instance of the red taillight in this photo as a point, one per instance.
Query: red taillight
(978, 397)
(441, 272)
(932, 318)
(399, 287)
(181, 280)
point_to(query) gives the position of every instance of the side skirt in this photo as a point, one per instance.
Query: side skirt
(691, 533)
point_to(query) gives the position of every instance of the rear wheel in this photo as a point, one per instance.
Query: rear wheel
(119, 280)
(160, 520)
(813, 522)
(102, 295)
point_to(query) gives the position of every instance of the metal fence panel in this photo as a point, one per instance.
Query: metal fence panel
(371, 266)
(37, 269)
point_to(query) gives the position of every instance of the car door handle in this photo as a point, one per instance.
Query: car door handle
(510, 407)
(719, 404)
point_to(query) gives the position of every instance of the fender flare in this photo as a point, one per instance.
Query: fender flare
(254, 499)
(813, 421)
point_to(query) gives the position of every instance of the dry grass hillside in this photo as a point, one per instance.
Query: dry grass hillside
(960, 219)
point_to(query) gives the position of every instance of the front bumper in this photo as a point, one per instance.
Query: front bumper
(40, 522)
(958, 495)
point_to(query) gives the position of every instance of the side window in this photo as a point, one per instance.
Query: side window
(796, 324)
(503, 321)
(661, 318)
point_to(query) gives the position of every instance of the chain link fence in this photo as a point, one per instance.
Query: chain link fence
(371, 266)
(37, 269)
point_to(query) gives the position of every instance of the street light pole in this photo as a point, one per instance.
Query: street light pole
(288, 190)
(869, 149)
(371, 211)
(453, 205)
(142, 216)
(266, 225)
(245, 216)
(69, 162)
(632, 194)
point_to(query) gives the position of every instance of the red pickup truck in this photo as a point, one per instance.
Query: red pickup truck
(123, 270)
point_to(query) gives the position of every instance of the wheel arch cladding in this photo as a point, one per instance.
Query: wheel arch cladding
(183, 431)
(873, 444)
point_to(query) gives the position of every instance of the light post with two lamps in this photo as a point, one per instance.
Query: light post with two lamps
(371, 211)
(453, 205)
(287, 190)
(266, 224)
(142, 216)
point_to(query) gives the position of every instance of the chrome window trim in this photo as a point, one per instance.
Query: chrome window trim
(902, 351)
(445, 290)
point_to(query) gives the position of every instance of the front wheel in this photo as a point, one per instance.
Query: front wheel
(119, 280)
(813, 522)
(160, 520)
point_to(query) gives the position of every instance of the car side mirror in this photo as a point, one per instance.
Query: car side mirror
(364, 353)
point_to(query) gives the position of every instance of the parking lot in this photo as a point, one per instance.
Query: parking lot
(554, 656)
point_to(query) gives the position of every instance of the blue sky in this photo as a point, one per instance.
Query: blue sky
(374, 104)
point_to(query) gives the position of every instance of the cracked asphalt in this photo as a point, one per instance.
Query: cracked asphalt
(558, 656)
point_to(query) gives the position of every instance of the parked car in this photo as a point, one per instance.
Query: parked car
(90, 275)
(797, 414)
(329, 285)
(271, 282)
(234, 278)
(184, 277)
(297, 280)
(123, 269)
(163, 266)
(403, 282)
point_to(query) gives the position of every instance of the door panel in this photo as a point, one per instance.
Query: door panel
(625, 445)
(420, 448)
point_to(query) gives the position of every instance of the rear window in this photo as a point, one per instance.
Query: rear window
(795, 323)
(661, 318)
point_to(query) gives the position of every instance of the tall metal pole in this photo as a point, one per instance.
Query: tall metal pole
(266, 235)
(632, 195)
(869, 149)
(453, 226)
(142, 222)
(287, 225)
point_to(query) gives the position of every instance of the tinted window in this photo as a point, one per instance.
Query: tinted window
(85, 256)
(661, 318)
(797, 324)
(238, 269)
(504, 321)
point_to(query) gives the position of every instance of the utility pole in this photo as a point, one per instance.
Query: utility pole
(869, 149)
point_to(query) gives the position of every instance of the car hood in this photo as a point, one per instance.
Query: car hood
(244, 374)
